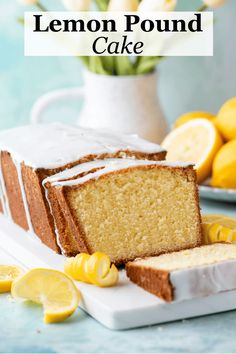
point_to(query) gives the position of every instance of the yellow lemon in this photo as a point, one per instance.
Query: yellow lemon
(196, 142)
(226, 120)
(218, 228)
(193, 115)
(224, 167)
(54, 290)
(7, 275)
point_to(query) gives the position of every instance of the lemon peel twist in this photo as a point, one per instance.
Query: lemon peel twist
(218, 228)
(95, 269)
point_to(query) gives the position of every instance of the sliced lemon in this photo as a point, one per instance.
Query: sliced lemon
(53, 289)
(193, 115)
(196, 142)
(218, 228)
(7, 275)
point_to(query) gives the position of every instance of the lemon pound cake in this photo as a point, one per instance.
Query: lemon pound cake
(188, 274)
(29, 154)
(125, 208)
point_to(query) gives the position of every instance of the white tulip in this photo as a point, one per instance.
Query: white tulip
(157, 5)
(214, 3)
(123, 5)
(77, 5)
(28, 2)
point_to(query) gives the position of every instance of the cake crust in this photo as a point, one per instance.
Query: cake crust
(15, 201)
(154, 281)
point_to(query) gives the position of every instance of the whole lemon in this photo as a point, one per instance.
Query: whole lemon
(224, 166)
(226, 120)
(193, 115)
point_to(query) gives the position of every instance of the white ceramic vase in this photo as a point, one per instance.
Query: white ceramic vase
(124, 104)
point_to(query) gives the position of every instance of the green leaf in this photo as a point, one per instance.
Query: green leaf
(123, 66)
(146, 65)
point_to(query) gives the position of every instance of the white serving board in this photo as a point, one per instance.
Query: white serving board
(121, 307)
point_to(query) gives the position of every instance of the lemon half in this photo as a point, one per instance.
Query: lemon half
(196, 142)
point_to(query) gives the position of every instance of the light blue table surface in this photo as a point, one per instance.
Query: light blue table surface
(185, 84)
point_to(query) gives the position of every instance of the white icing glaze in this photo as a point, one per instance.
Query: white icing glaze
(4, 198)
(55, 145)
(203, 281)
(23, 194)
(58, 242)
(108, 165)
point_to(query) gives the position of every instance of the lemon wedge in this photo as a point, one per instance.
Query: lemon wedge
(218, 228)
(7, 275)
(196, 142)
(193, 115)
(53, 289)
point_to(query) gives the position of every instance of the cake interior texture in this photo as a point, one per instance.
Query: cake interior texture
(190, 258)
(137, 212)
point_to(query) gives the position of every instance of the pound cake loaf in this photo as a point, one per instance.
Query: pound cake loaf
(30, 154)
(125, 208)
(188, 274)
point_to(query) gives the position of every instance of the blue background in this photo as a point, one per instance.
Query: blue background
(184, 84)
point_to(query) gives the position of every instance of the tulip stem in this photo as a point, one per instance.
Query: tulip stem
(41, 7)
(202, 8)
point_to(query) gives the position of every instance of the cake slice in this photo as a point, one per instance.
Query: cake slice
(29, 154)
(125, 208)
(187, 274)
